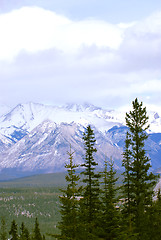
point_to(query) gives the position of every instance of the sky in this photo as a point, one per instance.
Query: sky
(104, 52)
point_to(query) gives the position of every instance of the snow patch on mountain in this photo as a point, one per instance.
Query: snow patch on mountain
(28, 116)
(37, 137)
(45, 148)
(4, 109)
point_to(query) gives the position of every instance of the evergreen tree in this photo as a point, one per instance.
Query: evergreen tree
(24, 233)
(13, 231)
(69, 203)
(90, 202)
(126, 188)
(154, 219)
(157, 220)
(36, 231)
(140, 178)
(3, 232)
(110, 214)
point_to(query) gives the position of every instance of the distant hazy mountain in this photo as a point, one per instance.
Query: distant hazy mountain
(36, 138)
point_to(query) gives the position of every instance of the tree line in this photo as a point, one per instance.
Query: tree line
(98, 208)
(93, 206)
(22, 234)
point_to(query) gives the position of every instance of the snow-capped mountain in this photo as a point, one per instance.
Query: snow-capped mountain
(46, 146)
(4, 109)
(35, 137)
(28, 116)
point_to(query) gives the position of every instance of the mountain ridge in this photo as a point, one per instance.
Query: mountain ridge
(36, 137)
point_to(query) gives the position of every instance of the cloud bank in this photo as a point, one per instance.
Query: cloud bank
(49, 58)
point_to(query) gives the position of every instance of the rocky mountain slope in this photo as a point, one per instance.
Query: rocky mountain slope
(35, 138)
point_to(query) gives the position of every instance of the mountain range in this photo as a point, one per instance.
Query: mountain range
(35, 138)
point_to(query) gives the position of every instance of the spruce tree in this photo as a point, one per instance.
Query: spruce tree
(126, 188)
(154, 219)
(36, 231)
(69, 203)
(3, 232)
(140, 178)
(110, 213)
(13, 231)
(157, 218)
(90, 201)
(24, 233)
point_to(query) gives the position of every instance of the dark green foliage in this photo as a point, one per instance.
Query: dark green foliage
(3, 231)
(93, 211)
(156, 223)
(110, 211)
(13, 231)
(69, 203)
(153, 227)
(36, 231)
(90, 202)
(138, 181)
(24, 234)
(126, 187)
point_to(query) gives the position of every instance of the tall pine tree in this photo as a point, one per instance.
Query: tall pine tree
(126, 188)
(90, 201)
(69, 203)
(154, 219)
(139, 181)
(3, 232)
(24, 233)
(13, 231)
(36, 231)
(110, 213)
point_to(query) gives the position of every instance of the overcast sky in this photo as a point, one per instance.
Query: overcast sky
(103, 52)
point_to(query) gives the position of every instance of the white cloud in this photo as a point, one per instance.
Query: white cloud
(29, 29)
(55, 59)
(34, 29)
(141, 47)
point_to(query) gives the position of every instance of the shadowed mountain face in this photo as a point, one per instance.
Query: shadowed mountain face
(35, 138)
(46, 146)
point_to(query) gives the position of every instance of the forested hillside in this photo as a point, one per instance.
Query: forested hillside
(92, 205)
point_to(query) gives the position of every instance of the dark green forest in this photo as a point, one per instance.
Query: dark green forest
(91, 204)
(101, 210)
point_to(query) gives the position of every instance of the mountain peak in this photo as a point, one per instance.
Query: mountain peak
(81, 107)
(37, 136)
